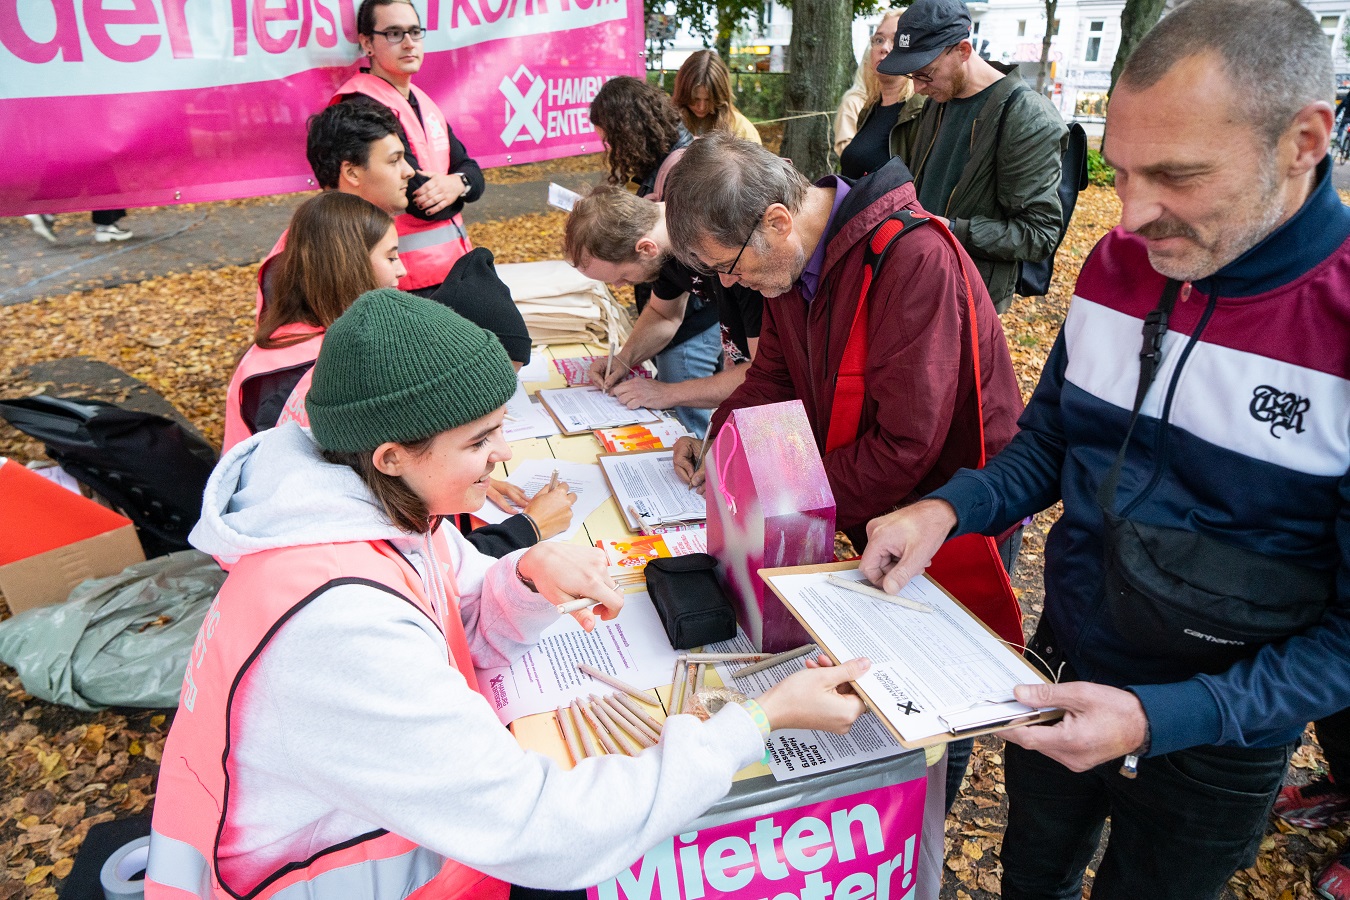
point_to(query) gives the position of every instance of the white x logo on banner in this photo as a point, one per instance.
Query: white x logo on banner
(522, 106)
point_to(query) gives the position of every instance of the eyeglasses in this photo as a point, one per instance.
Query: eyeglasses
(925, 75)
(730, 271)
(880, 40)
(396, 35)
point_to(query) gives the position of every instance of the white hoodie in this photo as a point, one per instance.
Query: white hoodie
(367, 726)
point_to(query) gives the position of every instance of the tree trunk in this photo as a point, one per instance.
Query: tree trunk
(821, 63)
(1043, 76)
(723, 44)
(1138, 17)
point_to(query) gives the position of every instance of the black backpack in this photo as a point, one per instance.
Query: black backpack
(150, 468)
(1033, 278)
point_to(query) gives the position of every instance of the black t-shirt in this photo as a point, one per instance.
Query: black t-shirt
(870, 148)
(738, 308)
(263, 397)
(950, 153)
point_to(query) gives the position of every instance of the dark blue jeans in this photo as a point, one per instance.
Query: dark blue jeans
(1178, 831)
(698, 357)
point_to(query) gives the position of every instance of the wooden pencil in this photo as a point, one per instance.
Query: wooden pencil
(643, 528)
(601, 732)
(586, 742)
(772, 661)
(867, 590)
(691, 684)
(631, 705)
(677, 691)
(636, 725)
(626, 742)
(574, 751)
(571, 606)
(617, 684)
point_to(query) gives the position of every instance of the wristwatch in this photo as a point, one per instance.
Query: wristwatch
(465, 179)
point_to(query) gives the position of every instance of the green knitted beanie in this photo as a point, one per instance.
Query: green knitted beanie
(395, 367)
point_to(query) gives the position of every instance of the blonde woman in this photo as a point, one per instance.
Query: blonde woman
(703, 96)
(888, 102)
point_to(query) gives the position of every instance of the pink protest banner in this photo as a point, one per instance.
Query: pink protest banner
(166, 101)
(861, 847)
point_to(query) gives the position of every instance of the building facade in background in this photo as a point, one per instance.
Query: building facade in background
(1083, 44)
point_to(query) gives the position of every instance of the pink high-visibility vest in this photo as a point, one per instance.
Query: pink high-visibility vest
(192, 804)
(428, 249)
(258, 362)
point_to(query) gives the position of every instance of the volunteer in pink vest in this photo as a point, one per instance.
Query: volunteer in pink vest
(339, 247)
(431, 232)
(331, 740)
(353, 148)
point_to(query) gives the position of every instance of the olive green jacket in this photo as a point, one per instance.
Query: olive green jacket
(1005, 207)
(906, 124)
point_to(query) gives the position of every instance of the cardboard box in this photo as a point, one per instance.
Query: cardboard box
(51, 539)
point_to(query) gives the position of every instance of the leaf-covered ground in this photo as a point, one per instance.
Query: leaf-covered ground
(64, 771)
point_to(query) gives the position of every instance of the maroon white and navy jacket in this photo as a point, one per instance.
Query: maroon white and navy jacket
(1244, 437)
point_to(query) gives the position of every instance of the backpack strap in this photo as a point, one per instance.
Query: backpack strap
(846, 413)
(849, 385)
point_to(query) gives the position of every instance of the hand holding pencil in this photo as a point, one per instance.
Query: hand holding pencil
(551, 508)
(566, 573)
(818, 697)
(609, 370)
(688, 462)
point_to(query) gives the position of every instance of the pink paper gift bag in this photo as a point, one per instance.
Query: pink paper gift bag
(769, 505)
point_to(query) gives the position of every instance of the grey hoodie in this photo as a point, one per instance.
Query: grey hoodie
(367, 726)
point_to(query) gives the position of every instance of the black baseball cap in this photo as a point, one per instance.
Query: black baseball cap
(924, 30)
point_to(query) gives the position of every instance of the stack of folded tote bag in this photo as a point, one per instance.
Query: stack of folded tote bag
(562, 306)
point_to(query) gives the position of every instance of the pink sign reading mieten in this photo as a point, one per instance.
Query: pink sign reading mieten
(861, 847)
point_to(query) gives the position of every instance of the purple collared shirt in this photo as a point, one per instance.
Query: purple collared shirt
(809, 281)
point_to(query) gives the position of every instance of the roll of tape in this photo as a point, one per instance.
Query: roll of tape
(123, 874)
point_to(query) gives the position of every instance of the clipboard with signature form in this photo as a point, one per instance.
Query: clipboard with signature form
(938, 673)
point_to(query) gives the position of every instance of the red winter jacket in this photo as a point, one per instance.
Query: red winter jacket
(918, 420)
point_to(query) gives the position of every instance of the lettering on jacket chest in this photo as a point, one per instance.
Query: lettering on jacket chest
(1282, 409)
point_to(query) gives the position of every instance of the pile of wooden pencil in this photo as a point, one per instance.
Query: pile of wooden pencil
(626, 576)
(691, 669)
(616, 721)
(616, 724)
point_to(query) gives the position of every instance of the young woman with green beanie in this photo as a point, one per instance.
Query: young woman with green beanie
(331, 730)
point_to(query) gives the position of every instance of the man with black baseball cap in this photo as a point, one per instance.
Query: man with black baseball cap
(981, 113)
